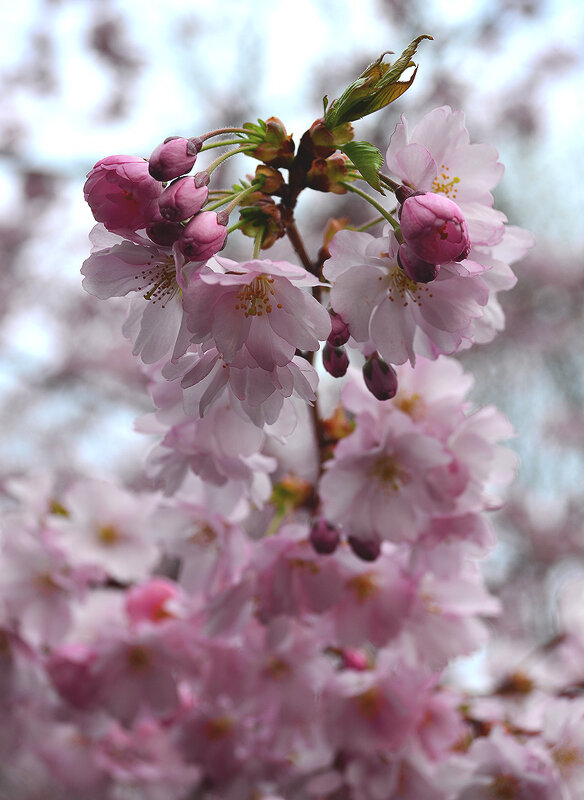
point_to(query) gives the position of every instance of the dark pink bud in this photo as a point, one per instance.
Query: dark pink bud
(121, 193)
(355, 659)
(434, 227)
(365, 549)
(380, 378)
(182, 199)
(163, 232)
(339, 334)
(203, 236)
(324, 537)
(174, 157)
(416, 269)
(335, 360)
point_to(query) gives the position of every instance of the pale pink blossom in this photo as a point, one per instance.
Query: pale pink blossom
(108, 527)
(437, 157)
(389, 312)
(379, 482)
(158, 274)
(257, 305)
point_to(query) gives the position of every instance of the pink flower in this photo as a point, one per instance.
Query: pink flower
(437, 157)
(434, 228)
(118, 266)
(107, 527)
(121, 193)
(378, 484)
(389, 312)
(257, 305)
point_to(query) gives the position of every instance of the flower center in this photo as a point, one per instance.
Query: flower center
(412, 405)
(444, 184)
(108, 535)
(370, 703)
(387, 471)
(159, 278)
(363, 586)
(138, 658)
(505, 787)
(403, 289)
(218, 728)
(256, 297)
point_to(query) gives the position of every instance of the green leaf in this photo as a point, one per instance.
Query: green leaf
(368, 160)
(375, 88)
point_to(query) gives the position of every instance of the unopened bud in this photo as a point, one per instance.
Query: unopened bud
(354, 659)
(182, 199)
(174, 157)
(203, 236)
(339, 334)
(163, 232)
(324, 537)
(335, 360)
(416, 269)
(327, 174)
(325, 141)
(435, 229)
(380, 378)
(365, 549)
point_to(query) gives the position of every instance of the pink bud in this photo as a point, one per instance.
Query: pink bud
(380, 378)
(163, 232)
(324, 537)
(339, 334)
(365, 549)
(174, 157)
(121, 193)
(182, 199)
(148, 602)
(203, 236)
(416, 269)
(354, 659)
(434, 228)
(335, 360)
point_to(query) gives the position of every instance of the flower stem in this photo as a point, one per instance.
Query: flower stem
(233, 200)
(298, 245)
(385, 214)
(370, 224)
(257, 244)
(214, 164)
(221, 132)
(388, 182)
(224, 143)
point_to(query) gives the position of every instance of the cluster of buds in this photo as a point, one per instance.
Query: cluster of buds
(127, 194)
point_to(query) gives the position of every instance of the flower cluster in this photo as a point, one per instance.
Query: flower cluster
(429, 286)
(275, 614)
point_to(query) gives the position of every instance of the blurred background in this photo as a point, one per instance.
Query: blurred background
(82, 79)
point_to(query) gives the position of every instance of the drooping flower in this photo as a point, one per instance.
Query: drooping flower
(119, 266)
(121, 193)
